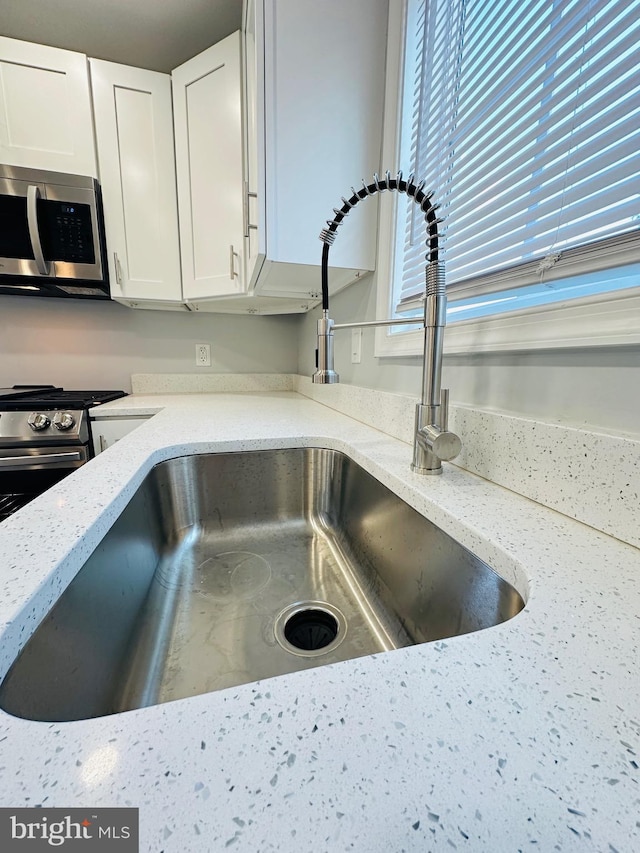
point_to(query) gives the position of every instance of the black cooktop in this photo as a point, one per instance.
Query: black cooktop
(21, 398)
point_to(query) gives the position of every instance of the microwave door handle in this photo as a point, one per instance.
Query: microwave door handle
(33, 194)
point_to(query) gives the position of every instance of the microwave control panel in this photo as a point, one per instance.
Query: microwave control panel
(67, 233)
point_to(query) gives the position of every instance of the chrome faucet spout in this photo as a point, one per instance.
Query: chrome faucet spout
(433, 442)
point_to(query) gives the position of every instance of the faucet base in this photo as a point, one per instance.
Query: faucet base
(433, 443)
(325, 377)
(418, 469)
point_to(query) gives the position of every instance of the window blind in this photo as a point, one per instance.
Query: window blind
(524, 118)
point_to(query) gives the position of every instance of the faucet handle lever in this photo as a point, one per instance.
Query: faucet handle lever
(443, 444)
(444, 409)
(434, 443)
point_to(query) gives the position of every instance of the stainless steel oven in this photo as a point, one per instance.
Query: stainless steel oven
(44, 436)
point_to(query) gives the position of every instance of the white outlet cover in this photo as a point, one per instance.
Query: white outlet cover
(203, 355)
(356, 346)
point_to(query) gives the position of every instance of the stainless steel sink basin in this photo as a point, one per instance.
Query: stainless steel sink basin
(228, 568)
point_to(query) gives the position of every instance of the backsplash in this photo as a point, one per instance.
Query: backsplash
(211, 383)
(591, 476)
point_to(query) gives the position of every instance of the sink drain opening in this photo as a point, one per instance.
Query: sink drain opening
(310, 628)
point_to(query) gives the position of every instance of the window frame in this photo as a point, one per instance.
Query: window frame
(601, 320)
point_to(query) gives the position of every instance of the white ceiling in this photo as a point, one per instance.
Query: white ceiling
(156, 34)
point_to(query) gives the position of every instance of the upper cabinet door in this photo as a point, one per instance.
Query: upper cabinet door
(134, 133)
(209, 158)
(315, 82)
(45, 109)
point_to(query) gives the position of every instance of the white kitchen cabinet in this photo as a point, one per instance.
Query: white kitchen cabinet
(272, 126)
(45, 108)
(106, 431)
(209, 159)
(134, 133)
(314, 87)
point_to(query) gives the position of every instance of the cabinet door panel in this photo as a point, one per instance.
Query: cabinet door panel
(323, 124)
(106, 431)
(45, 109)
(134, 129)
(314, 92)
(208, 129)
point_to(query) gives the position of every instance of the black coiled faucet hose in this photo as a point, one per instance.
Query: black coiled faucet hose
(413, 190)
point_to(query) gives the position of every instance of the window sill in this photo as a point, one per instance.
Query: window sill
(606, 320)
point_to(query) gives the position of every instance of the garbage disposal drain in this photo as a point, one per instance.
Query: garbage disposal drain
(310, 628)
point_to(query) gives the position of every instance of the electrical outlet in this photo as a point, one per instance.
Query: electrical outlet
(203, 355)
(356, 346)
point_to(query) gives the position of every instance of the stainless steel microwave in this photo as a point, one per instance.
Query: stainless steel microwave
(51, 235)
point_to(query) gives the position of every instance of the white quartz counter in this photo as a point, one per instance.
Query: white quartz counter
(522, 736)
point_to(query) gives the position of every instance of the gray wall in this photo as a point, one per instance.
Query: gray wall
(86, 344)
(99, 345)
(599, 387)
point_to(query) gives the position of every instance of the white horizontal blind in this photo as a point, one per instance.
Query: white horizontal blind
(525, 121)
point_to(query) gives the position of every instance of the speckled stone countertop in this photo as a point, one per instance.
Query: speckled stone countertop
(523, 735)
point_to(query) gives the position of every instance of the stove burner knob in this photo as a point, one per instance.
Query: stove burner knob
(38, 421)
(63, 420)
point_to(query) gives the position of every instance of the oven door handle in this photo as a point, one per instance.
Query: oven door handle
(40, 459)
(33, 194)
